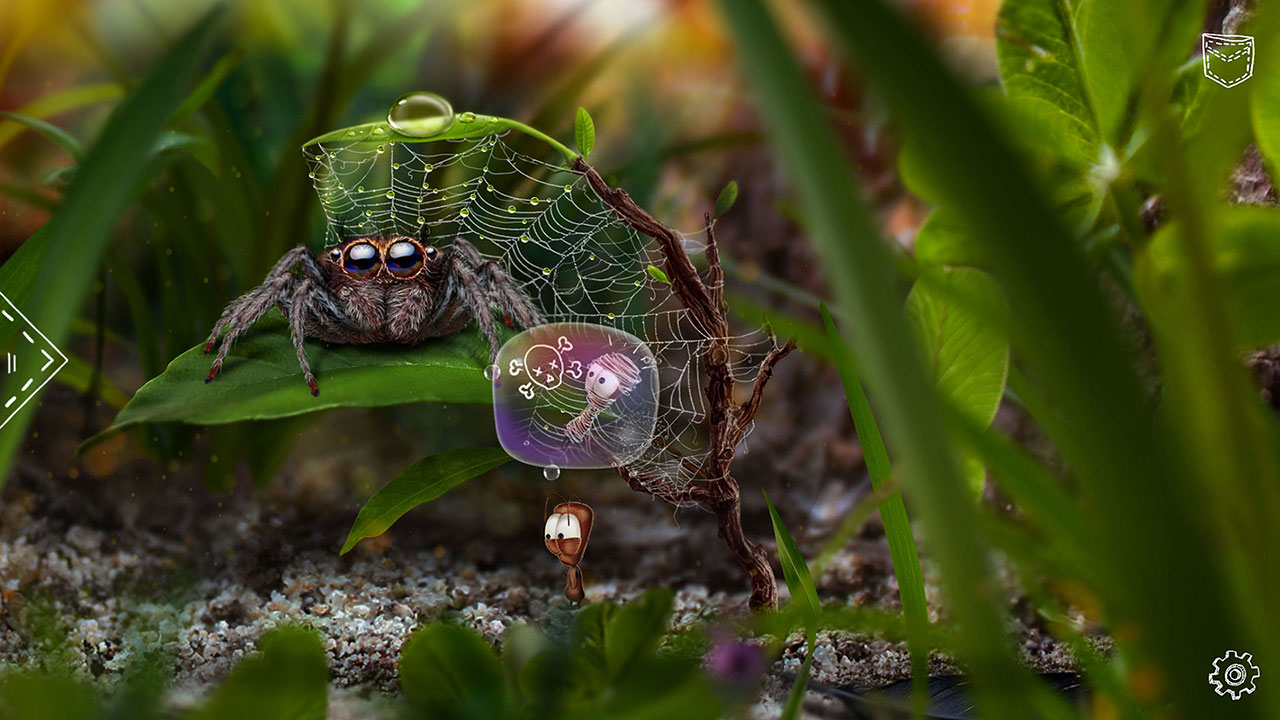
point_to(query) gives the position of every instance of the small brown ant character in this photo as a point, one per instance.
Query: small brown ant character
(566, 532)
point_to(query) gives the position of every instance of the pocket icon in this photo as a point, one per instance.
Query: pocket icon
(1228, 59)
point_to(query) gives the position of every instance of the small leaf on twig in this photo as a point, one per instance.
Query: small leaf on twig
(584, 131)
(656, 273)
(728, 196)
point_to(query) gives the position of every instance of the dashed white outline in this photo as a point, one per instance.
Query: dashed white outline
(48, 342)
(1247, 46)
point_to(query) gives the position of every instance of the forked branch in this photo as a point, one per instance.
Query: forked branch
(728, 422)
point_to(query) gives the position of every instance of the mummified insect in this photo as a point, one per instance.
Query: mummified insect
(567, 529)
(375, 289)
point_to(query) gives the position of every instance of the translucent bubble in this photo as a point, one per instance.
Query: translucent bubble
(467, 117)
(420, 114)
(491, 373)
(575, 395)
(379, 130)
(550, 472)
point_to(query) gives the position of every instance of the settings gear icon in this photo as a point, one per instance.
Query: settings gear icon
(1235, 674)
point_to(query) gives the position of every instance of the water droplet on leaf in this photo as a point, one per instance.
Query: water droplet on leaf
(420, 114)
(491, 373)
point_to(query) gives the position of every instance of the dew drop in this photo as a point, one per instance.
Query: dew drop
(472, 196)
(491, 373)
(430, 167)
(420, 114)
(360, 188)
(524, 238)
(533, 201)
(612, 316)
(550, 472)
(467, 117)
(378, 130)
(486, 168)
(395, 166)
(639, 283)
(464, 212)
(421, 220)
(593, 257)
(368, 213)
(351, 132)
(489, 188)
(391, 193)
(493, 119)
(511, 208)
(382, 149)
(546, 271)
(568, 188)
(311, 175)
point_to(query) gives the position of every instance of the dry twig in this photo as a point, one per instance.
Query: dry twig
(729, 422)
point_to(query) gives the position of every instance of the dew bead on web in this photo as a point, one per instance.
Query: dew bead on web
(562, 245)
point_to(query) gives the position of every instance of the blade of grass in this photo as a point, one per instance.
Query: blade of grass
(60, 102)
(893, 511)
(862, 271)
(804, 596)
(78, 233)
(1068, 340)
(51, 132)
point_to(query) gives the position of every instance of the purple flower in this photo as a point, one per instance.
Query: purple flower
(735, 661)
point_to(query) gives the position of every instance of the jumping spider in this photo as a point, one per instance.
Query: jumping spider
(378, 288)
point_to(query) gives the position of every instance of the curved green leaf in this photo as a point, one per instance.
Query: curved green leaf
(584, 131)
(1244, 256)
(959, 315)
(633, 632)
(260, 378)
(421, 482)
(51, 132)
(466, 126)
(1040, 64)
(728, 196)
(289, 680)
(449, 671)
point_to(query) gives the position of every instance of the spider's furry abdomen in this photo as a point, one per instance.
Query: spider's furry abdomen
(374, 289)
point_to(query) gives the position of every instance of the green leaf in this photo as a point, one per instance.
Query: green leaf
(480, 126)
(728, 196)
(794, 569)
(51, 132)
(584, 131)
(1040, 64)
(58, 103)
(942, 240)
(448, 671)
(959, 315)
(36, 696)
(261, 379)
(657, 274)
(803, 595)
(421, 482)
(1265, 111)
(1245, 259)
(79, 232)
(288, 679)
(633, 632)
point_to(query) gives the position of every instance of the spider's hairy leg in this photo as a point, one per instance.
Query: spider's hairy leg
(304, 297)
(245, 311)
(478, 305)
(506, 293)
(501, 289)
(283, 269)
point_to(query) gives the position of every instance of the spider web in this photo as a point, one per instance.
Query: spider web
(561, 243)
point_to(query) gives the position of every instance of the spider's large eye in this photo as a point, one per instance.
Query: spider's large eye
(361, 259)
(404, 259)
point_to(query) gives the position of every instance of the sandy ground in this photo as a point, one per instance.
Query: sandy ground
(131, 554)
